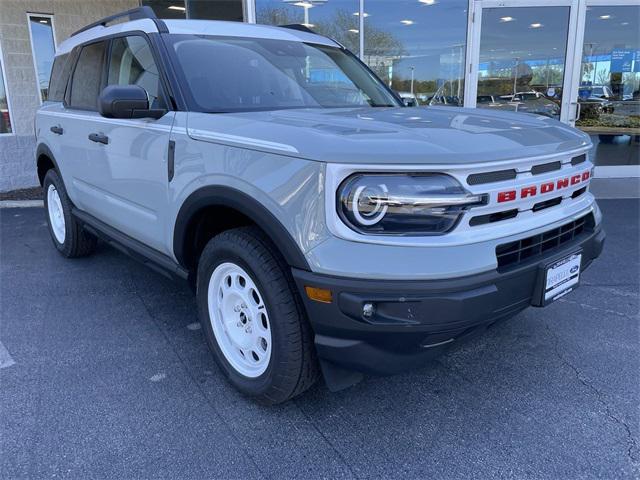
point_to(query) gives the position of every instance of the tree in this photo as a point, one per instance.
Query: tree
(603, 77)
(381, 47)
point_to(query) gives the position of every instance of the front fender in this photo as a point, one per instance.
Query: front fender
(218, 195)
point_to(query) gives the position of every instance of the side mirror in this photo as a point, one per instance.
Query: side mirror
(409, 102)
(126, 101)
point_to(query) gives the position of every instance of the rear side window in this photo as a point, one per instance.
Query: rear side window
(59, 78)
(87, 77)
(132, 63)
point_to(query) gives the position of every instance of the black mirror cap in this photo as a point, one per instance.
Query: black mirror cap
(126, 101)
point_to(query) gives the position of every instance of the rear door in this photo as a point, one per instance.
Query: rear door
(77, 152)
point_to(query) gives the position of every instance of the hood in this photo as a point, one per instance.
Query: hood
(425, 135)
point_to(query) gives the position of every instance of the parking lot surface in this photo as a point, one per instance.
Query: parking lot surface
(104, 373)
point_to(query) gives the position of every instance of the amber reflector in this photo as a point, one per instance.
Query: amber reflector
(319, 294)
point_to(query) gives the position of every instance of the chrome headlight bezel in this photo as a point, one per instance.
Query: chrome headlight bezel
(414, 204)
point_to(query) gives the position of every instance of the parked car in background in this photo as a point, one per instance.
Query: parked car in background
(600, 96)
(409, 99)
(533, 102)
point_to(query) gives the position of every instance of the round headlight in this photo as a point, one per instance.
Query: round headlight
(403, 204)
(366, 205)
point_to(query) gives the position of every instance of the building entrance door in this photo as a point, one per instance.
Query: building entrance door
(577, 61)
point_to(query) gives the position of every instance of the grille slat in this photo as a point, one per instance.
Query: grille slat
(491, 177)
(579, 159)
(545, 167)
(513, 253)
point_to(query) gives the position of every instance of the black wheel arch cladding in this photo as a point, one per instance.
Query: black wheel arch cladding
(222, 196)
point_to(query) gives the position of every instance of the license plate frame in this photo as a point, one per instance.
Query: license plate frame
(558, 278)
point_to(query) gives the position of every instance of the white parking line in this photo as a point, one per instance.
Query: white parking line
(5, 357)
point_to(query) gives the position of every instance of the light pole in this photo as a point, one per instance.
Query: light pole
(515, 77)
(412, 69)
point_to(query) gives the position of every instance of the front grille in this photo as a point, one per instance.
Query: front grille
(512, 173)
(514, 253)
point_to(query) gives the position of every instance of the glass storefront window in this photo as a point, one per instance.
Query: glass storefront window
(197, 9)
(169, 9)
(5, 118)
(522, 59)
(334, 18)
(44, 48)
(418, 48)
(609, 91)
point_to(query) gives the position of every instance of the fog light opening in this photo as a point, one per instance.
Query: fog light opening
(368, 310)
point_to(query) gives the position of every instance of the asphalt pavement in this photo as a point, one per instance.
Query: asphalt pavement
(104, 373)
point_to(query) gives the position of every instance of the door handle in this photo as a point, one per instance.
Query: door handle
(57, 129)
(578, 110)
(99, 138)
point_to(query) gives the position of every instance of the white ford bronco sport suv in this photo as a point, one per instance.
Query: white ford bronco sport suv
(325, 227)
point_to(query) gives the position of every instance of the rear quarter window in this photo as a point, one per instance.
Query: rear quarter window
(59, 78)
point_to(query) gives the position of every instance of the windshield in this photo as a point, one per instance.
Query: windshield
(229, 74)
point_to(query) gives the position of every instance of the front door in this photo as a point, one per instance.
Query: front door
(130, 169)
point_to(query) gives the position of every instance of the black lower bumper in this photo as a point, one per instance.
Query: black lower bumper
(413, 321)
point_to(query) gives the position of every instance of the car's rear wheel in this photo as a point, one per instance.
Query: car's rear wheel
(68, 236)
(254, 322)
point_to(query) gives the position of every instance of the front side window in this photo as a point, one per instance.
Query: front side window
(132, 63)
(44, 49)
(242, 74)
(87, 77)
(5, 118)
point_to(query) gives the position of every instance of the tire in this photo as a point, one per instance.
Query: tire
(67, 234)
(253, 318)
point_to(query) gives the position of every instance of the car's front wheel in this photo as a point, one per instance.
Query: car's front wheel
(252, 317)
(67, 234)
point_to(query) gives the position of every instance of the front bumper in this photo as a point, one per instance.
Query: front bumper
(417, 320)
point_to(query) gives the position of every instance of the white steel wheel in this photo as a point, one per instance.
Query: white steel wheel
(239, 320)
(56, 214)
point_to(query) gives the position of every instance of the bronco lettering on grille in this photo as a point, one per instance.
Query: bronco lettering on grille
(546, 187)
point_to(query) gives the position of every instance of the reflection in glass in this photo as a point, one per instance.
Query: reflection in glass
(267, 74)
(169, 9)
(609, 91)
(44, 49)
(5, 120)
(230, 10)
(522, 59)
(334, 18)
(418, 48)
(197, 9)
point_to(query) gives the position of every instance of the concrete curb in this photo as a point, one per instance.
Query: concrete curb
(21, 203)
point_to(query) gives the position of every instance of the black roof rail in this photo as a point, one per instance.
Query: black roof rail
(133, 14)
(298, 26)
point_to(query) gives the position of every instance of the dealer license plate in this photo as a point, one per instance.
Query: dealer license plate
(562, 277)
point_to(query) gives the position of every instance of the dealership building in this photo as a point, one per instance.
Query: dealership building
(574, 60)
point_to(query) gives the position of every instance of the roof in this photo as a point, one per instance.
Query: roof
(196, 27)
